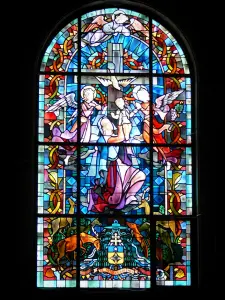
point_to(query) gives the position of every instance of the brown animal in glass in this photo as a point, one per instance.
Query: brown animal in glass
(69, 245)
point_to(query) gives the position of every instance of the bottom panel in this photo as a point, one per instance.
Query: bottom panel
(56, 252)
(115, 253)
(173, 253)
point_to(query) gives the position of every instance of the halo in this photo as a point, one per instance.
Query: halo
(88, 87)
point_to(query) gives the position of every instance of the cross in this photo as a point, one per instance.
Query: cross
(115, 57)
(116, 239)
(114, 65)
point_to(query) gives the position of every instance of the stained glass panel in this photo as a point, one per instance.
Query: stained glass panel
(115, 109)
(57, 108)
(115, 40)
(126, 126)
(57, 179)
(56, 255)
(173, 253)
(61, 54)
(115, 178)
(168, 56)
(172, 181)
(115, 253)
(172, 110)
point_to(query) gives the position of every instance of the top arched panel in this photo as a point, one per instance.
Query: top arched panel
(61, 54)
(168, 57)
(115, 40)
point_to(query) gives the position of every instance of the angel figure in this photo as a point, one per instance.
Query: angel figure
(105, 30)
(161, 108)
(68, 100)
(88, 94)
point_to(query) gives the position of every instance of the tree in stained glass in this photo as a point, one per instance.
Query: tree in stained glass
(173, 253)
(56, 266)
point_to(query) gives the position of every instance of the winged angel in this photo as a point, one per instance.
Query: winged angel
(162, 109)
(100, 30)
(68, 100)
(88, 94)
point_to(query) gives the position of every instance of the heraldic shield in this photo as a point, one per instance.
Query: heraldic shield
(115, 255)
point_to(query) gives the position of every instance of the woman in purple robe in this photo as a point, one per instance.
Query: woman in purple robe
(117, 180)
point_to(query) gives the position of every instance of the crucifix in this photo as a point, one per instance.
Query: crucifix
(115, 65)
(116, 239)
(114, 84)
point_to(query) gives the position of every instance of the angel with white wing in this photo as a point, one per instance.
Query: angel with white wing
(68, 100)
(88, 94)
(161, 105)
(161, 108)
(105, 30)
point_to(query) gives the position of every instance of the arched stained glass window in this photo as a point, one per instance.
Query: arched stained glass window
(115, 194)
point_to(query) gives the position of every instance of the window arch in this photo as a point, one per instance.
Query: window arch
(116, 194)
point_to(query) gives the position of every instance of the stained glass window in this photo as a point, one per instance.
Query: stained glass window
(114, 196)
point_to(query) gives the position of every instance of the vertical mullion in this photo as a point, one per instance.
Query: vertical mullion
(152, 220)
(78, 155)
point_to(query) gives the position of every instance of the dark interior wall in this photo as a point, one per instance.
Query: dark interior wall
(195, 22)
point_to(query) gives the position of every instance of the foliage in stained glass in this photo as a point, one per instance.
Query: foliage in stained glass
(168, 57)
(115, 253)
(115, 40)
(173, 253)
(56, 255)
(172, 181)
(115, 178)
(57, 183)
(61, 54)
